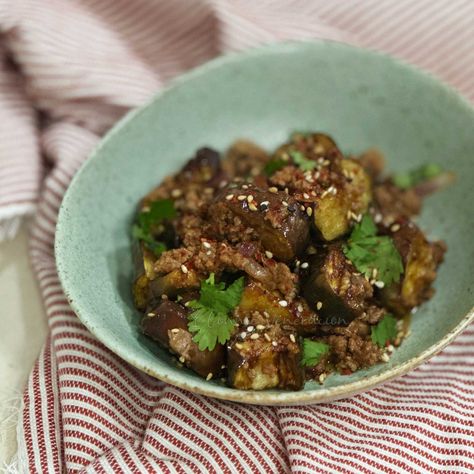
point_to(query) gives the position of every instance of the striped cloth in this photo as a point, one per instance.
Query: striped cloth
(69, 70)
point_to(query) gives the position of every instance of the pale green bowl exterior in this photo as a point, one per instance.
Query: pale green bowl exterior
(361, 98)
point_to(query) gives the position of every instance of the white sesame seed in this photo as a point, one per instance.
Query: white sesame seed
(317, 175)
(284, 203)
(151, 314)
(250, 328)
(207, 245)
(274, 343)
(260, 327)
(184, 268)
(267, 337)
(378, 218)
(292, 338)
(246, 320)
(395, 227)
(306, 195)
(176, 193)
(287, 190)
(239, 346)
(305, 265)
(268, 254)
(182, 359)
(322, 377)
(302, 208)
(266, 314)
(245, 186)
(242, 197)
(379, 284)
(208, 252)
(229, 197)
(209, 376)
(309, 211)
(374, 272)
(390, 348)
(175, 330)
(385, 357)
(243, 335)
(283, 303)
(254, 336)
(223, 366)
(253, 207)
(319, 305)
(249, 198)
(273, 189)
(300, 308)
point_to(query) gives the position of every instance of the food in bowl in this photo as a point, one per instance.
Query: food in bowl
(269, 270)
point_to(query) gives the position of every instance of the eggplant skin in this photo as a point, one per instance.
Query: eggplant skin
(334, 288)
(282, 229)
(168, 325)
(257, 364)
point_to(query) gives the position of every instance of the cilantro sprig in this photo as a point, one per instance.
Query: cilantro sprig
(416, 176)
(385, 331)
(301, 161)
(148, 220)
(274, 165)
(313, 351)
(369, 252)
(210, 320)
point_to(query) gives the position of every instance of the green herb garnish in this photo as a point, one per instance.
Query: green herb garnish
(369, 252)
(148, 220)
(301, 161)
(417, 176)
(210, 320)
(385, 330)
(274, 165)
(313, 351)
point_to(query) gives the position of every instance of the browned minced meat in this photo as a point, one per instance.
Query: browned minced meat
(394, 202)
(234, 220)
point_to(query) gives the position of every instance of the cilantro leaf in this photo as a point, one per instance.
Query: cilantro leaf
(148, 220)
(367, 252)
(301, 161)
(416, 176)
(385, 330)
(210, 320)
(313, 352)
(274, 165)
(158, 212)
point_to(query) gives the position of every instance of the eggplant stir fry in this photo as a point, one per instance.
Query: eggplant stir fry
(266, 270)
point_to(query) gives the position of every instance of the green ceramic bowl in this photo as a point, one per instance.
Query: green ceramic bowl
(361, 98)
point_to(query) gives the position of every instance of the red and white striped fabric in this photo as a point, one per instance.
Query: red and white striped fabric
(69, 70)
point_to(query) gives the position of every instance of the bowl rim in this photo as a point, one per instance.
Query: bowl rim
(204, 387)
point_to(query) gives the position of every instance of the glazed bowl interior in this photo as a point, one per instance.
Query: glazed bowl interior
(362, 99)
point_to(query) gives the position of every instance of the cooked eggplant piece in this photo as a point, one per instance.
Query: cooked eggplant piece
(144, 260)
(173, 283)
(420, 260)
(334, 288)
(282, 227)
(259, 305)
(333, 212)
(244, 158)
(205, 166)
(168, 325)
(272, 360)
